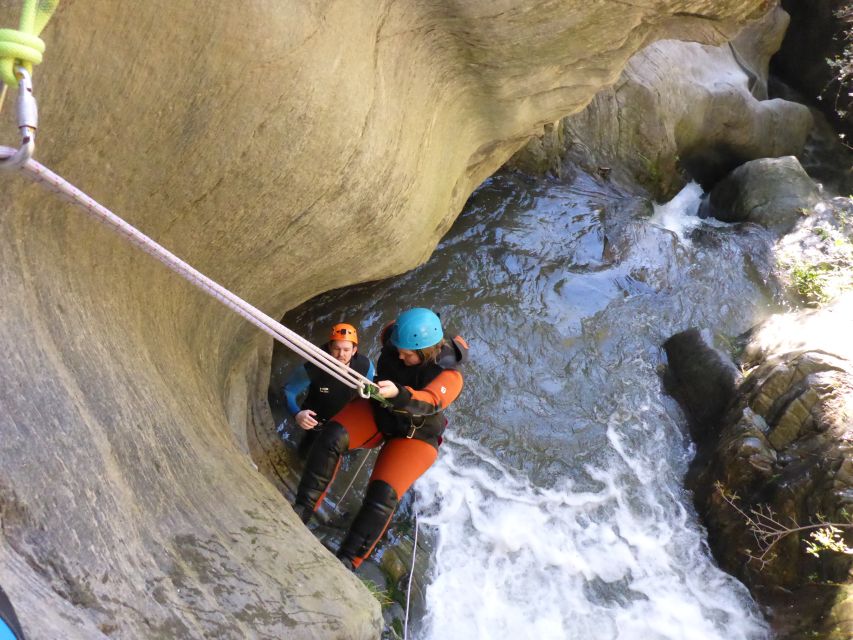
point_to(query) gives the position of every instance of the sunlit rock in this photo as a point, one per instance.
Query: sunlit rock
(814, 260)
(782, 461)
(685, 110)
(773, 192)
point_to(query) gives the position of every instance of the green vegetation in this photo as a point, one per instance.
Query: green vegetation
(810, 281)
(820, 271)
(842, 64)
(827, 538)
(768, 530)
(653, 173)
(381, 595)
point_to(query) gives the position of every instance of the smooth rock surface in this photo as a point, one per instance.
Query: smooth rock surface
(683, 110)
(284, 149)
(773, 192)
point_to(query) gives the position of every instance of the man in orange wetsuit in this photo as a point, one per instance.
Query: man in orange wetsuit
(418, 372)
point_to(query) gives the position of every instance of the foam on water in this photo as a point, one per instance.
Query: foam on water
(679, 214)
(517, 561)
(562, 513)
(613, 551)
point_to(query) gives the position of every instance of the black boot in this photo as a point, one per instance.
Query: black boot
(322, 464)
(370, 523)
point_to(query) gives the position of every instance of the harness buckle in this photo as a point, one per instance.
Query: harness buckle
(27, 121)
(414, 427)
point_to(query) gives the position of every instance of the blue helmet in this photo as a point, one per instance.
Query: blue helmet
(417, 328)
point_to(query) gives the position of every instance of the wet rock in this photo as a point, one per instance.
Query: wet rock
(702, 379)
(394, 616)
(543, 154)
(784, 459)
(772, 192)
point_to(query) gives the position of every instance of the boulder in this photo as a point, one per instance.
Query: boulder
(772, 192)
(702, 378)
(284, 149)
(783, 460)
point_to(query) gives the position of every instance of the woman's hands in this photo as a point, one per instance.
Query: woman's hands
(387, 389)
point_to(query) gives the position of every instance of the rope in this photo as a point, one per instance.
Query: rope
(411, 575)
(22, 46)
(352, 480)
(311, 352)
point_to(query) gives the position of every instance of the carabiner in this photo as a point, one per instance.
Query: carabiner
(28, 120)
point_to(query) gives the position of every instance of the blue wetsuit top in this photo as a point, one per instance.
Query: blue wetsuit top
(6, 633)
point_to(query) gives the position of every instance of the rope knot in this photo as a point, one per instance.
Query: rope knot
(18, 46)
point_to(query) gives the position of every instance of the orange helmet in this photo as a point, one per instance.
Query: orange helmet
(344, 331)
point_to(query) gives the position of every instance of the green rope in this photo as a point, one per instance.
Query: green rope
(22, 46)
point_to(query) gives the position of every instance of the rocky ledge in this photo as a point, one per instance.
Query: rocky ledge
(775, 460)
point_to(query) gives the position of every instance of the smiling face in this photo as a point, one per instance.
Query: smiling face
(342, 350)
(410, 358)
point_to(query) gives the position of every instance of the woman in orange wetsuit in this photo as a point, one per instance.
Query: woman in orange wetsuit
(418, 373)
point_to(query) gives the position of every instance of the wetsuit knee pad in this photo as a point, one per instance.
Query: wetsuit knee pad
(379, 504)
(381, 495)
(320, 468)
(334, 438)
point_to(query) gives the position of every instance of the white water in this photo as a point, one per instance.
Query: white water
(623, 561)
(561, 513)
(612, 552)
(679, 214)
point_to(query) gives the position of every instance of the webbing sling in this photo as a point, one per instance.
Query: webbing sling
(22, 46)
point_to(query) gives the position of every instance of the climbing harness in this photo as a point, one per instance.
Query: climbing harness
(25, 48)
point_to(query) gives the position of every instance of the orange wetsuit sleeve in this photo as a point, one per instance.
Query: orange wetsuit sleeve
(434, 397)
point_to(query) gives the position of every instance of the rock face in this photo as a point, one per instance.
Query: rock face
(682, 110)
(782, 451)
(282, 148)
(701, 379)
(773, 192)
(815, 260)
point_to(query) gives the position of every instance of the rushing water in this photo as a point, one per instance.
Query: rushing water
(557, 506)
